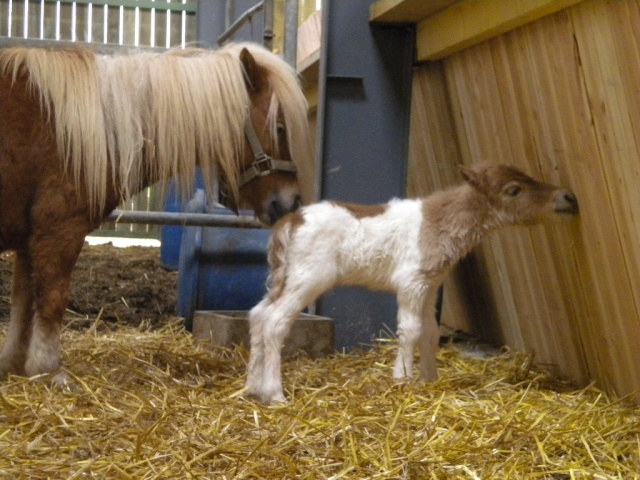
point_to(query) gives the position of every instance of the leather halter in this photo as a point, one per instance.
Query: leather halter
(262, 164)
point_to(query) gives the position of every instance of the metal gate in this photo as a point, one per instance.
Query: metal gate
(151, 23)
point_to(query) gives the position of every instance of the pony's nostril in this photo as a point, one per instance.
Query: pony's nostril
(566, 202)
(278, 208)
(275, 211)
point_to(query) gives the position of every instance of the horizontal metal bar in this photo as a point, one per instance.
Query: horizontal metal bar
(242, 19)
(144, 4)
(183, 219)
(101, 48)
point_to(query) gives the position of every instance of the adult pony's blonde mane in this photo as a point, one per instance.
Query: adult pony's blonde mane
(134, 119)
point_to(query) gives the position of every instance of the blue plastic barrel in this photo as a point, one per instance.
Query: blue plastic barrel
(171, 235)
(220, 268)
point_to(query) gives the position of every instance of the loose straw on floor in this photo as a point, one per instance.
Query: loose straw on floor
(155, 404)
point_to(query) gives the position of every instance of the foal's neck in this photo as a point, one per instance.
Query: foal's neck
(459, 218)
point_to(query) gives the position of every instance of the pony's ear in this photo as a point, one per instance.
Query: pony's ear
(473, 177)
(253, 74)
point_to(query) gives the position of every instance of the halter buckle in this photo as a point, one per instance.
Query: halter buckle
(262, 165)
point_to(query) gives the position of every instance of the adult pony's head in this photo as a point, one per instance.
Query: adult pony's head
(123, 122)
(276, 134)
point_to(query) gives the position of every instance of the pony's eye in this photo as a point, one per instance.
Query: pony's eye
(280, 127)
(513, 190)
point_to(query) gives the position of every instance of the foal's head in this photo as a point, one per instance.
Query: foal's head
(268, 177)
(515, 198)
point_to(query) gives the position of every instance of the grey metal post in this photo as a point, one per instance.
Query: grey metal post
(211, 19)
(228, 14)
(213, 15)
(268, 24)
(291, 31)
(363, 129)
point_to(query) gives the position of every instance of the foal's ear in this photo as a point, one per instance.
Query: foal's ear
(473, 177)
(254, 76)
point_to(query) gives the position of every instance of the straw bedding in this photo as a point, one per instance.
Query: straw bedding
(156, 404)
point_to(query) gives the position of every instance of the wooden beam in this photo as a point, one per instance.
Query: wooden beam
(470, 22)
(311, 94)
(405, 11)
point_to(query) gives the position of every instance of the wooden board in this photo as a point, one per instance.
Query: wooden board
(469, 22)
(405, 11)
(559, 99)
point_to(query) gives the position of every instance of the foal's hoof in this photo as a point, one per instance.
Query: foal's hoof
(401, 378)
(267, 398)
(429, 377)
(277, 399)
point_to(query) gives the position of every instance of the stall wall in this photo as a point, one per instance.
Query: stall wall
(560, 99)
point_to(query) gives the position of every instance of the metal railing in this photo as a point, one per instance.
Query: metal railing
(152, 23)
(107, 25)
(267, 7)
(183, 219)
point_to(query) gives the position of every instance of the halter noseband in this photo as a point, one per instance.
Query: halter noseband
(262, 164)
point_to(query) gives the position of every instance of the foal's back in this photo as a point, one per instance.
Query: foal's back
(359, 244)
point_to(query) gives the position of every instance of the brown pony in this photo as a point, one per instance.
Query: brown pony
(79, 132)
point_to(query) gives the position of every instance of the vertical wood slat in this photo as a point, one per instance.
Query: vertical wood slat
(558, 98)
(602, 38)
(433, 156)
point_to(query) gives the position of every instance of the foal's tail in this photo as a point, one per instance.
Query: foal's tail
(279, 242)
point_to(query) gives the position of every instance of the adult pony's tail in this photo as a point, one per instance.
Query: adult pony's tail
(279, 243)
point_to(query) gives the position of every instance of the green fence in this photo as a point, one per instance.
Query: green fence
(159, 23)
(127, 23)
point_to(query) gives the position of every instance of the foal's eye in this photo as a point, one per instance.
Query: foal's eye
(513, 190)
(280, 127)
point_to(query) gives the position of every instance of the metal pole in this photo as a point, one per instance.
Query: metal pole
(322, 87)
(291, 32)
(246, 16)
(268, 24)
(183, 219)
(228, 14)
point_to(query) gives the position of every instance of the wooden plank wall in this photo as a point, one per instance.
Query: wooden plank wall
(559, 98)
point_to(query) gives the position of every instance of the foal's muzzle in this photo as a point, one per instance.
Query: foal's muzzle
(565, 202)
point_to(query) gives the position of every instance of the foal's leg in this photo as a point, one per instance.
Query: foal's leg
(255, 370)
(409, 330)
(276, 324)
(53, 257)
(276, 329)
(14, 353)
(430, 337)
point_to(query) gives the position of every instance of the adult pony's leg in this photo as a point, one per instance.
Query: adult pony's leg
(53, 255)
(430, 337)
(14, 353)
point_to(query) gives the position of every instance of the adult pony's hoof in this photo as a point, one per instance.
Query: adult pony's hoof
(7, 367)
(61, 380)
(5, 371)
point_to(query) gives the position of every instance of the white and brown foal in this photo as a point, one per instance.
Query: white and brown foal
(404, 246)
